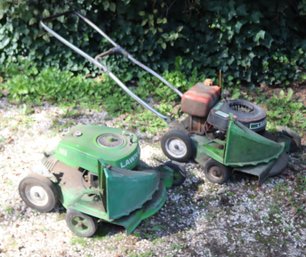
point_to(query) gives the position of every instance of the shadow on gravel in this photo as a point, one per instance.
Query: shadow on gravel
(178, 214)
(107, 229)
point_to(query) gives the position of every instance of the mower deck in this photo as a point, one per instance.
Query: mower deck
(91, 202)
(131, 221)
(243, 150)
(270, 169)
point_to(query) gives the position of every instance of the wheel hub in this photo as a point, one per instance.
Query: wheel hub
(80, 223)
(37, 195)
(176, 147)
(215, 172)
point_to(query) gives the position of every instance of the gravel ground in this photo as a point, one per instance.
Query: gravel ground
(199, 218)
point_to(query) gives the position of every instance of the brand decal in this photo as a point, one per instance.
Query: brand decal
(257, 124)
(132, 159)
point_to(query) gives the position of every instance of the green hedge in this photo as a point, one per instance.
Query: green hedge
(251, 42)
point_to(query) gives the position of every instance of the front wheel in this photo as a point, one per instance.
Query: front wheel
(81, 224)
(38, 192)
(215, 172)
(177, 145)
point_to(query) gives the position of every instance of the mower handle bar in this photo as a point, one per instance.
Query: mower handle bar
(116, 49)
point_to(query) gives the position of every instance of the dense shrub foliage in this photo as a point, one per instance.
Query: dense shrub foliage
(25, 83)
(250, 41)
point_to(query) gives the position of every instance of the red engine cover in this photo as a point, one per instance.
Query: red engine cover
(199, 99)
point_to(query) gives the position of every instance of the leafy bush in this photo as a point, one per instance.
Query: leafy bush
(250, 42)
(284, 110)
(24, 84)
(145, 122)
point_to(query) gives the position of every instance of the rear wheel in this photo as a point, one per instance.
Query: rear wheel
(38, 192)
(177, 145)
(81, 224)
(296, 141)
(215, 172)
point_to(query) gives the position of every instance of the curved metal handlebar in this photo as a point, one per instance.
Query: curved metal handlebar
(117, 49)
(129, 56)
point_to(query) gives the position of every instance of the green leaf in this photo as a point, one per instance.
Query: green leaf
(45, 13)
(289, 94)
(260, 35)
(32, 21)
(112, 7)
(4, 43)
(238, 26)
(46, 37)
(255, 16)
(106, 5)
(144, 22)
(241, 10)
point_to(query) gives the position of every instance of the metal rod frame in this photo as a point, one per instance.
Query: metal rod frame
(104, 68)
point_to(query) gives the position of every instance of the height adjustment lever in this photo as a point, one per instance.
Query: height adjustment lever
(113, 50)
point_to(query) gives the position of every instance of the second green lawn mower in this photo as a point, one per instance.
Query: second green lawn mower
(224, 136)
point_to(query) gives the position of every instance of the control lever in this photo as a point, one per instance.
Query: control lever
(113, 50)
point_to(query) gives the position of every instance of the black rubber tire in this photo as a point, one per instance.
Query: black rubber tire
(253, 114)
(212, 167)
(179, 174)
(81, 224)
(184, 139)
(44, 188)
(296, 140)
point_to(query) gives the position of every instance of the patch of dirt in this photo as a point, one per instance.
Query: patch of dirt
(300, 92)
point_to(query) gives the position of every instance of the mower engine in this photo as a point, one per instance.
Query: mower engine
(206, 109)
(88, 146)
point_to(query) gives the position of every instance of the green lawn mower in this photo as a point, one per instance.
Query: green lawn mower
(96, 173)
(222, 135)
